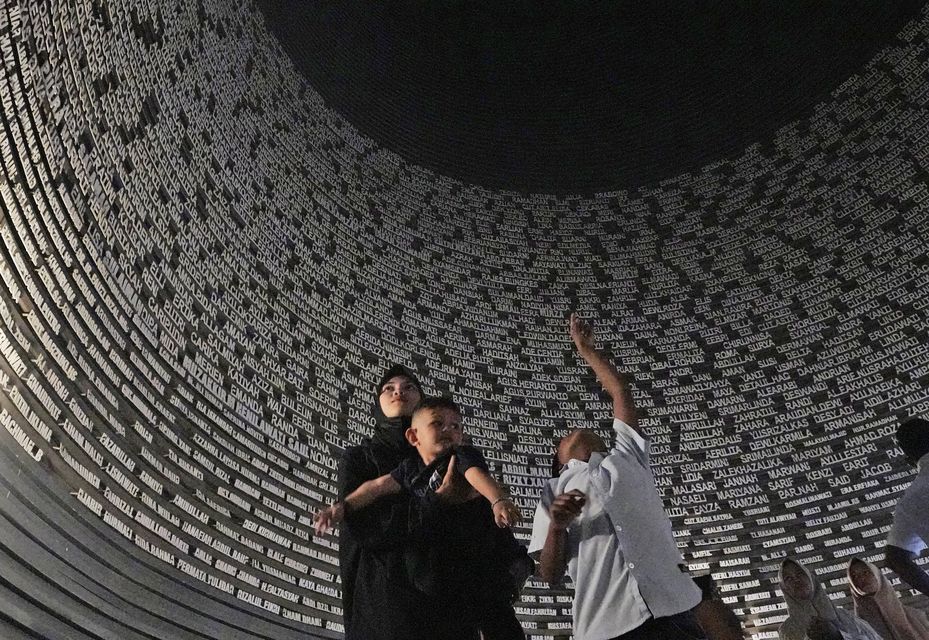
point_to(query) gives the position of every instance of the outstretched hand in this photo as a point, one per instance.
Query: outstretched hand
(582, 333)
(326, 519)
(506, 513)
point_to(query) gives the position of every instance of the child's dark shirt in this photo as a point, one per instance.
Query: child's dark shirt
(463, 551)
(420, 479)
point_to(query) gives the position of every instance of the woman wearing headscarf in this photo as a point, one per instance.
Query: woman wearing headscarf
(811, 614)
(876, 603)
(378, 600)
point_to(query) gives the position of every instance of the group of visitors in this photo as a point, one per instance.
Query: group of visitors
(426, 551)
(878, 613)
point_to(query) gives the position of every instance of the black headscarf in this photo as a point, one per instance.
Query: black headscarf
(391, 432)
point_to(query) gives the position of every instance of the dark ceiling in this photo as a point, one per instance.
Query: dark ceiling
(577, 97)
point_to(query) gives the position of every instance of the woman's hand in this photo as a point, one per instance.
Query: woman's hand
(326, 520)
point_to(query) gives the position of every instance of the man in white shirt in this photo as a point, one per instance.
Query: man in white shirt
(909, 535)
(602, 520)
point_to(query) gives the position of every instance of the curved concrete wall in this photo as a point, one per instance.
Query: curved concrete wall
(204, 269)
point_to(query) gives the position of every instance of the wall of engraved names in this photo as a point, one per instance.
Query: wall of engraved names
(205, 270)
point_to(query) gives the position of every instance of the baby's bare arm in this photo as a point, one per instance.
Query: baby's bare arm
(485, 484)
(505, 511)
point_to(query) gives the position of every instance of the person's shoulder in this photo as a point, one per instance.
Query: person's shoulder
(920, 483)
(469, 456)
(357, 451)
(916, 494)
(361, 454)
(790, 629)
(469, 450)
(629, 441)
(412, 455)
(623, 429)
(410, 462)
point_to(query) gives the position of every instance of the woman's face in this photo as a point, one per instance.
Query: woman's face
(863, 578)
(796, 583)
(399, 396)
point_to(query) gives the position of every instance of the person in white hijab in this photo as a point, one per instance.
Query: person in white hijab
(876, 603)
(811, 614)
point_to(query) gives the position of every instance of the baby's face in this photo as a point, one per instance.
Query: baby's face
(435, 431)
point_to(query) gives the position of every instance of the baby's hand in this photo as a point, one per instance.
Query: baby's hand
(324, 521)
(506, 513)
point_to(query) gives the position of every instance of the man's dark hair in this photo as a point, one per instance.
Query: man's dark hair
(913, 437)
(437, 402)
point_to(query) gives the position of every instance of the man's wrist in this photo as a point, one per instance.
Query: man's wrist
(555, 527)
(587, 353)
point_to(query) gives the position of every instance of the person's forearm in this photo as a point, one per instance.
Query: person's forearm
(606, 373)
(552, 560)
(613, 383)
(382, 525)
(370, 491)
(485, 484)
(903, 564)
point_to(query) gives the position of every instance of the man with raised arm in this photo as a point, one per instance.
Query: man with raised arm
(601, 520)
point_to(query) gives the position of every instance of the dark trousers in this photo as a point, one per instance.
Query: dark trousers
(681, 626)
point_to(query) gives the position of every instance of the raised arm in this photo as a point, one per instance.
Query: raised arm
(903, 563)
(506, 513)
(611, 380)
